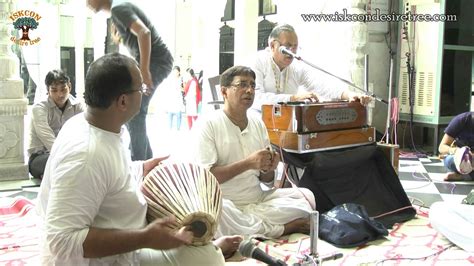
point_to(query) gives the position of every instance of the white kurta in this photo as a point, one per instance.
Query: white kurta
(455, 221)
(247, 208)
(292, 78)
(173, 97)
(89, 181)
(190, 99)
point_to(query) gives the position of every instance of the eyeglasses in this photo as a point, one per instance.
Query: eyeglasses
(244, 85)
(289, 46)
(142, 89)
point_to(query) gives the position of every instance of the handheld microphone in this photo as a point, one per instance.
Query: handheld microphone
(287, 51)
(248, 249)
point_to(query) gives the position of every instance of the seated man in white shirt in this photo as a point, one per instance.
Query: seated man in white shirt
(234, 147)
(90, 202)
(279, 76)
(48, 117)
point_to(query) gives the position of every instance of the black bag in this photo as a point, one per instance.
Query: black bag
(361, 175)
(349, 225)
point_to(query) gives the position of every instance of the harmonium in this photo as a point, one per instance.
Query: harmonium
(307, 127)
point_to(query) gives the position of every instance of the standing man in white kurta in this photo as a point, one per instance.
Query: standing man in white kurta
(234, 146)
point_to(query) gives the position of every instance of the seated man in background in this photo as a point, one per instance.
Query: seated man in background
(457, 145)
(90, 201)
(279, 76)
(235, 147)
(47, 119)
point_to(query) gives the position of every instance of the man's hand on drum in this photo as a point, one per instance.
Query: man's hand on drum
(310, 97)
(158, 235)
(149, 164)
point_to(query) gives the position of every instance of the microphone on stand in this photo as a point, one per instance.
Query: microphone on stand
(287, 51)
(248, 249)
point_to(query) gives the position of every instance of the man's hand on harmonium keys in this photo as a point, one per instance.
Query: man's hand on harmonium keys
(309, 97)
(362, 98)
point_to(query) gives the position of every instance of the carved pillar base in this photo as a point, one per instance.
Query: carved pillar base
(12, 162)
(13, 105)
(16, 171)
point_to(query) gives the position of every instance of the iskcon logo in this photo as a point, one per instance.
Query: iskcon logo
(25, 20)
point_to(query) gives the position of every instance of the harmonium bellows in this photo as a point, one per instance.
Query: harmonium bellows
(301, 127)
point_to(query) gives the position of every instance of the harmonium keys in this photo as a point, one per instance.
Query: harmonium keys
(314, 117)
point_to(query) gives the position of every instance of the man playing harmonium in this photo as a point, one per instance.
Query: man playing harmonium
(278, 76)
(234, 146)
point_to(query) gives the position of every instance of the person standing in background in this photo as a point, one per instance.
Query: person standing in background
(174, 99)
(192, 96)
(155, 62)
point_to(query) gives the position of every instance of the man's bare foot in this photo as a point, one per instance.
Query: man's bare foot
(453, 176)
(300, 225)
(228, 244)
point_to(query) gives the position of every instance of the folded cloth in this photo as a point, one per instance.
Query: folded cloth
(349, 225)
(463, 160)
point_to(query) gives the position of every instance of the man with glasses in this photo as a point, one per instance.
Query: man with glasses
(279, 76)
(47, 119)
(92, 209)
(235, 148)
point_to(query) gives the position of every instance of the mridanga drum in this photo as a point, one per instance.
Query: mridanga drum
(187, 191)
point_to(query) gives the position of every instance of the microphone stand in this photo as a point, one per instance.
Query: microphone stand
(337, 77)
(313, 258)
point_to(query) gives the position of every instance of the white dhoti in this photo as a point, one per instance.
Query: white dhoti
(455, 222)
(266, 217)
(184, 255)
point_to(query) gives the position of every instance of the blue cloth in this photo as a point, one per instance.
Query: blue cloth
(349, 225)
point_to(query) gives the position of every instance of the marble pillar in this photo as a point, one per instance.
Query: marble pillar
(13, 104)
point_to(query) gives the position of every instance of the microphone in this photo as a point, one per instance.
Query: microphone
(287, 51)
(248, 249)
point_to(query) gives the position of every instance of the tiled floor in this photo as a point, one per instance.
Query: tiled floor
(422, 178)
